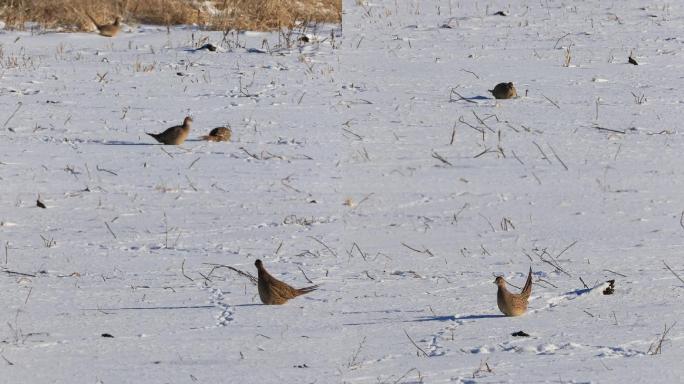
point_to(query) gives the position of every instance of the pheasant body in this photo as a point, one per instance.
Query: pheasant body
(218, 134)
(504, 91)
(108, 30)
(174, 135)
(511, 304)
(273, 291)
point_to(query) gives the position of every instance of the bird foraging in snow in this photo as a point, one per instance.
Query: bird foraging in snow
(108, 30)
(274, 291)
(512, 304)
(504, 91)
(174, 135)
(218, 134)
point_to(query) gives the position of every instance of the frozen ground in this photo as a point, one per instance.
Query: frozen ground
(131, 228)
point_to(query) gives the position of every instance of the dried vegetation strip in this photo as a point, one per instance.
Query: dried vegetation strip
(217, 15)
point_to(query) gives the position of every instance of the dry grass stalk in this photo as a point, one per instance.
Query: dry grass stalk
(419, 350)
(48, 243)
(568, 56)
(247, 275)
(353, 361)
(419, 378)
(639, 99)
(506, 223)
(671, 270)
(656, 347)
(441, 158)
(483, 368)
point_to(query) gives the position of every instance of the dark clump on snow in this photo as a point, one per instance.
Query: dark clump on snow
(520, 334)
(610, 289)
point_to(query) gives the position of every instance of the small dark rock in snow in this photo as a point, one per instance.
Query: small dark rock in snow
(610, 289)
(520, 334)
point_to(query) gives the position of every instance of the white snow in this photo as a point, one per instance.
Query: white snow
(343, 165)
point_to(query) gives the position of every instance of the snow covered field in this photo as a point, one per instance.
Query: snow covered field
(353, 160)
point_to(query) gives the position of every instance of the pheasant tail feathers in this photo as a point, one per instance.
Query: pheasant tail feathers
(527, 289)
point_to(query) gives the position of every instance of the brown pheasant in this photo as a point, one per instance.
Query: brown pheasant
(108, 30)
(504, 91)
(274, 291)
(218, 134)
(511, 304)
(174, 135)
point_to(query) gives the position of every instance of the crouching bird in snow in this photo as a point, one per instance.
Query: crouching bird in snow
(274, 291)
(218, 134)
(504, 91)
(108, 30)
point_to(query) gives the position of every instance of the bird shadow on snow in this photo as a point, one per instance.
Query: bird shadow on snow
(455, 318)
(428, 318)
(117, 142)
(120, 142)
(472, 98)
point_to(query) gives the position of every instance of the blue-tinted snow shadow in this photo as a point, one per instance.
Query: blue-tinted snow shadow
(161, 307)
(478, 317)
(425, 318)
(117, 142)
(454, 318)
(434, 318)
(379, 321)
(472, 99)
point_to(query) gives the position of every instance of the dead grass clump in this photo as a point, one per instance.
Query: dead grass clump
(162, 12)
(218, 14)
(272, 14)
(73, 14)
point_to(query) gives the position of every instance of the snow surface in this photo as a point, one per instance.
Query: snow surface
(335, 169)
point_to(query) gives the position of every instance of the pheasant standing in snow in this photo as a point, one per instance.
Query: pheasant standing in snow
(174, 135)
(504, 91)
(274, 291)
(108, 30)
(512, 304)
